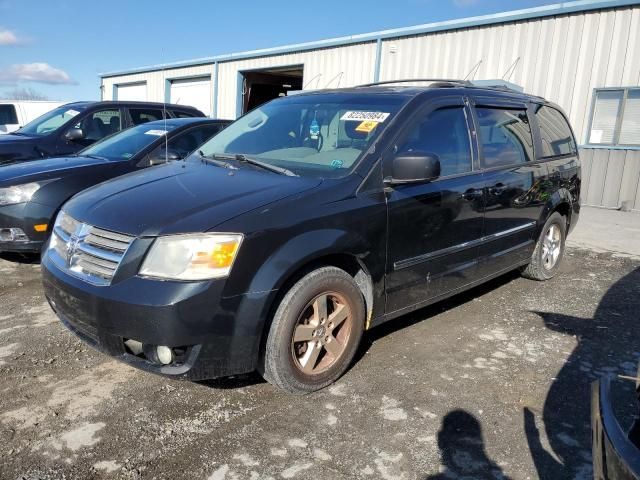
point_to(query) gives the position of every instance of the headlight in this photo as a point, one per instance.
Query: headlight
(18, 193)
(192, 257)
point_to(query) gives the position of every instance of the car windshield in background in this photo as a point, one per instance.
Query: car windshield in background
(126, 144)
(320, 135)
(52, 120)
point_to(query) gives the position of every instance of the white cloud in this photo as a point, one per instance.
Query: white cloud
(34, 72)
(7, 37)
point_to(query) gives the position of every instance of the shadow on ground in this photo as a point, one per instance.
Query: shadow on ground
(608, 344)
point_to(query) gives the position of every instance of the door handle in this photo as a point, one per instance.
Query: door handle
(497, 189)
(472, 194)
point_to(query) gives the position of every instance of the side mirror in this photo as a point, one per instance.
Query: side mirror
(74, 134)
(414, 167)
(162, 156)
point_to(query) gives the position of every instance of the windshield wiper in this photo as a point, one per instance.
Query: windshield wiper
(216, 160)
(241, 157)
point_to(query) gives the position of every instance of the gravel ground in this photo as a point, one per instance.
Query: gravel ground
(491, 384)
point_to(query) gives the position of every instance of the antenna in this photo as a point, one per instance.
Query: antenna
(164, 115)
(338, 76)
(510, 70)
(473, 70)
(317, 75)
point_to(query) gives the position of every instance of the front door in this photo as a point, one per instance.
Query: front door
(434, 228)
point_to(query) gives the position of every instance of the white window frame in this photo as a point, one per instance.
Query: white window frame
(616, 131)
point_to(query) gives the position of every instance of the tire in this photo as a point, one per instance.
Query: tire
(543, 266)
(325, 348)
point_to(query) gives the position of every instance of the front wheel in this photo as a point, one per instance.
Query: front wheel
(547, 256)
(315, 332)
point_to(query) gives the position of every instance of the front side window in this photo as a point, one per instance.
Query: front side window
(321, 135)
(127, 143)
(555, 133)
(615, 119)
(8, 115)
(99, 124)
(144, 115)
(52, 120)
(186, 142)
(443, 132)
(505, 136)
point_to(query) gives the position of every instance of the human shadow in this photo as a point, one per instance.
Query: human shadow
(607, 344)
(462, 449)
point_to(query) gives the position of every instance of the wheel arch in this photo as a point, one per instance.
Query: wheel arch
(560, 202)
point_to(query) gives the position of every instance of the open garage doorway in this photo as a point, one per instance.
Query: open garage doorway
(260, 86)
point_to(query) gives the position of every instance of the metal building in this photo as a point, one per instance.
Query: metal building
(583, 55)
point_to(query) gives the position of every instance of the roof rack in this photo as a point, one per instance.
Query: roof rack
(440, 81)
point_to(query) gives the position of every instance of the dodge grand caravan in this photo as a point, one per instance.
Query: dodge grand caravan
(310, 220)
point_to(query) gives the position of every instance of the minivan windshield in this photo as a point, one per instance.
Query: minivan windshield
(52, 120)
(319, 135)
(126, 144)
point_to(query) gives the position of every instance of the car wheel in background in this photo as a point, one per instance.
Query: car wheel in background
(549, 250)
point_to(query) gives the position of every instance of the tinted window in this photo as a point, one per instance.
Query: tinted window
(555, 133)
(443, 132)
(183, 114)
(188, 141)
(144, 115)
(505, 136)
(8, 115)
(129, 142)
(99, 125)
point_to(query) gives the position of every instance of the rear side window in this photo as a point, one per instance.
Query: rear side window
(505, 136)
(443, 132)
(8, 115)
(144, 115)
(183, 114)
(555, 133)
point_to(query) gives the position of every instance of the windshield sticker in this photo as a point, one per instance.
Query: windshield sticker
(367, 127)
(336, 163)
(157, 133)
(378, 117)
(72, 113)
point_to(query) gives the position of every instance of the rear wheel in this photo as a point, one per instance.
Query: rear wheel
(547, 256)
(315, 331)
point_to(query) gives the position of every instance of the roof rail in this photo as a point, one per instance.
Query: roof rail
(442, 81)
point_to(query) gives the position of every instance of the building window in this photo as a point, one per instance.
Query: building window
(615, 118)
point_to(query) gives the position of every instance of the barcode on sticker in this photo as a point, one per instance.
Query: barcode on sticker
(365, 116)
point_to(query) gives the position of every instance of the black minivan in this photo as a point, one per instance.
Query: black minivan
(309, 220)
(69, 128)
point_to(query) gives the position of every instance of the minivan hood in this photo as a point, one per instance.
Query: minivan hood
(22, 172)
(180, 197)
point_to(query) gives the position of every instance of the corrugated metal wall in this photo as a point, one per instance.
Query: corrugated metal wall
(560, 58)
(611, 178)
(343, 66)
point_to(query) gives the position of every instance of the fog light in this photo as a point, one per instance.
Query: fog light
(13, 235)
(164, 354)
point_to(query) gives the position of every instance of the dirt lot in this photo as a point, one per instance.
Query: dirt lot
(491, 384)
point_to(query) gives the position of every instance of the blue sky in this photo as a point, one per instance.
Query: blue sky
(58, 47)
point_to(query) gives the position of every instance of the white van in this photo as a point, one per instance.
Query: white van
(16, 113)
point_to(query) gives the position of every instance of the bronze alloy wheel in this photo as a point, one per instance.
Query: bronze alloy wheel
(321, 333)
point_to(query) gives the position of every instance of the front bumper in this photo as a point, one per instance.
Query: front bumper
(25, 216)
(221, 334)
(615, 455)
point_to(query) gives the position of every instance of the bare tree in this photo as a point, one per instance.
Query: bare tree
(25, 93)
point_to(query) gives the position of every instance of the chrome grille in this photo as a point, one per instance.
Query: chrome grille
(87, 252)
